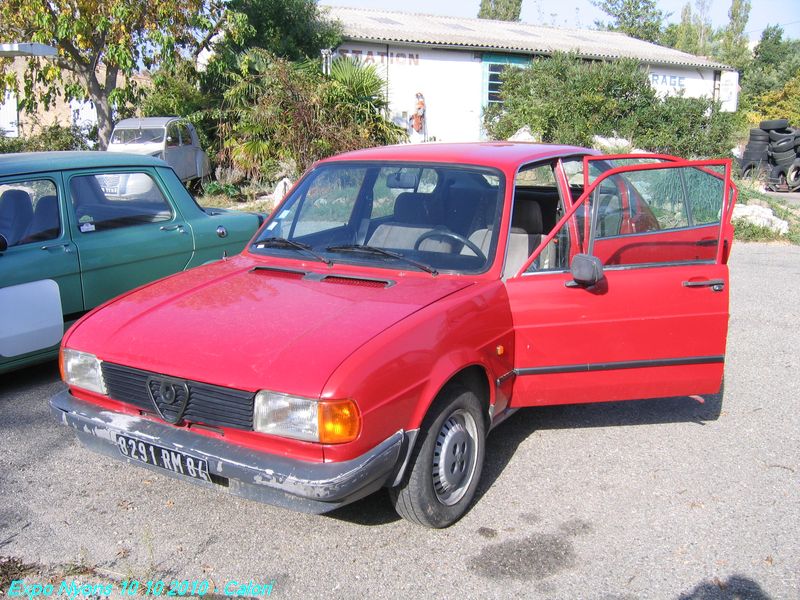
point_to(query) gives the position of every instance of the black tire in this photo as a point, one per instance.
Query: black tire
(781, 134)
(785, 145)
(756, 150)
(754, 156)
(759, 134)
(757, 144)
(777, 177)
(446, 463)
(781, 157)
(774, 124)
(793, 175)
(749, 170)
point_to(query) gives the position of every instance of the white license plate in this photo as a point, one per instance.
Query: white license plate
(171, 460)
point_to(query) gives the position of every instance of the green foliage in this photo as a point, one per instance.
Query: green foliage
(214, 188)
(694, 33)
(290, 29)
(176, 91)
(783, 103)
(775, 61)
(276, 112)
(750, 232)
(687, 127)
(117, 34)
(502, 10)
(637, 18)
(734, 48)
(568, 101)
(54, 137)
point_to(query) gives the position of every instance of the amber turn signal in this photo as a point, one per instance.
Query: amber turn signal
(339, 421)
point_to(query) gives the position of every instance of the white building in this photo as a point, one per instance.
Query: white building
(455, 63)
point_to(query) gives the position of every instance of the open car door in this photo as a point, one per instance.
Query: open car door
(651, 320)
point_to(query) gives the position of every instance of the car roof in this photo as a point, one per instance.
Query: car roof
(494, 154)
(144, 122)
(37, 162)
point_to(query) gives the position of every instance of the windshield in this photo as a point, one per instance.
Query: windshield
(150, 135)
(423, 217)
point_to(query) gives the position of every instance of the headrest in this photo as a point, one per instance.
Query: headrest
(16, 204)
(416, 209)
(527, 216)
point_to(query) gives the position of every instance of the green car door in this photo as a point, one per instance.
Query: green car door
(40, 284)
(127, 228)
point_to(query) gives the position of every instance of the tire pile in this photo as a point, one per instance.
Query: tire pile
(773, 149)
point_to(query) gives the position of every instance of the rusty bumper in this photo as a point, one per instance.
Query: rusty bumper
(278, 480)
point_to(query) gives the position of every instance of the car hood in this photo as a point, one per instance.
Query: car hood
(230, 325)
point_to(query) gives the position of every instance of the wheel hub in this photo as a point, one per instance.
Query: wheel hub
(454, 457)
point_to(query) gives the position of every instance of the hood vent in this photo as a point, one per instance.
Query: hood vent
(283, 273)
(357, 281)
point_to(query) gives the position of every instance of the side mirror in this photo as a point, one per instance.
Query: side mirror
(586, 270)
(3, 243)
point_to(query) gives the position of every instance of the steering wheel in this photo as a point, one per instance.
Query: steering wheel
(451, 235)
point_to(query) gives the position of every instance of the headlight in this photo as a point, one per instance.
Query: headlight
(82, 370)
(325, 421)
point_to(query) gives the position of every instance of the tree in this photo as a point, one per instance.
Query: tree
(702, 23)
(502, 10)
(101, 44)
(276, 111)
(608, 99)
(775, 61)
(683, 35)
(734, 49)
(637, 18)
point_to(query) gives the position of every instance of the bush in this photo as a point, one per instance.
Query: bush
(53, 137)
(567, 100)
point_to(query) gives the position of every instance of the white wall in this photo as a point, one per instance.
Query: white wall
(8, 116)
(696, 83)
(450, 81)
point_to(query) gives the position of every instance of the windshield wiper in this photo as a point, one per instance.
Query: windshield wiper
(279, 242)
(381, 252)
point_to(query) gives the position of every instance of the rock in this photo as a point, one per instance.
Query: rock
(761, 216)
(523, 135)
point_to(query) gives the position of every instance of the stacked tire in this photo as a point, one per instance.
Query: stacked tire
(773, 147)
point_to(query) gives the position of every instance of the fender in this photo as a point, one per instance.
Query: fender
(416, 359)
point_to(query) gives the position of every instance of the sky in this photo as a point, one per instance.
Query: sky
(583, 14)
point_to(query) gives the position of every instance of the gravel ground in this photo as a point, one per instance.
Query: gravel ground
(648, 499)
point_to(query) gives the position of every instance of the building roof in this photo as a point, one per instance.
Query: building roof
(38, 162)
(382, 26)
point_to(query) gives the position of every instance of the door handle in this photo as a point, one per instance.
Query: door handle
(715, 284)
(706, 242)
(64, 247)
(178, 227)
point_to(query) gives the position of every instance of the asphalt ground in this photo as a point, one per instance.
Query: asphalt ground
(646, 499)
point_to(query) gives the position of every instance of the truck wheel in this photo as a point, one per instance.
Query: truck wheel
(446, 463)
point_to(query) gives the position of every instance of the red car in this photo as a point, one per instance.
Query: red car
(398, 305)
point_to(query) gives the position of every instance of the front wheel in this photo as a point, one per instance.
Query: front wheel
(446, 463)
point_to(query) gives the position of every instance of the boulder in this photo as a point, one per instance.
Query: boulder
(761, 216)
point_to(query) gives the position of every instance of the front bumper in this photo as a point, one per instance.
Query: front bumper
(277, 480)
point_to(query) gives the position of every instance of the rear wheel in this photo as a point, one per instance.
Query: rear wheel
(446, 463)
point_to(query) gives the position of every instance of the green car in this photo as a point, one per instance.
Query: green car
(78, 228)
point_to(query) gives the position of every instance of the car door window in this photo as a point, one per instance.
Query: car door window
(112, 200)
(186, 136)
(173, 138)
(658, 216)
(537, 207)
(29, 211)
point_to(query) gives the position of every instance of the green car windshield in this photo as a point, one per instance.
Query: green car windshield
(425, 217)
